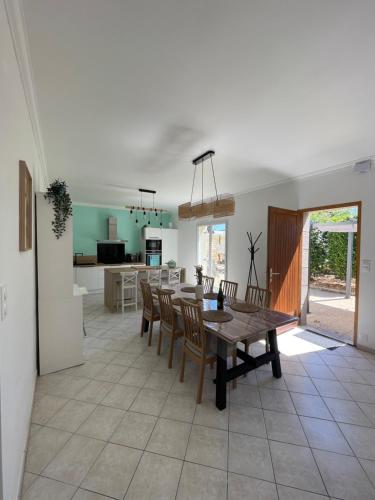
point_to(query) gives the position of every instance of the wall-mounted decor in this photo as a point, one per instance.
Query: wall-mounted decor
(57, 194)
(220, 205)
(25, 208)
(253, 251)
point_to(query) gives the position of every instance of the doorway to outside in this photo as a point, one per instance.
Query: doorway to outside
(212, 250)
(329, 284)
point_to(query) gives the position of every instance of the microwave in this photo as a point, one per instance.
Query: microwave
(153, 259)
(153, 245)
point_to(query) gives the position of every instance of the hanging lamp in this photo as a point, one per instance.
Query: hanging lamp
(146, 212)
(220, 205)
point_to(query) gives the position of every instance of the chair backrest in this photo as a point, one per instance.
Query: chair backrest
(148, 302)
(167, 313)
(208, 284)
(229, 288)
(174, 276)
(259, 296)
(154, 277)
(194, 331)
(129, 279)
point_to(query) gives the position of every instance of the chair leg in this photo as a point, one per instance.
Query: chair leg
(201, 382)
(171, 349)
(150, 333)
(159, 342)
(234, 363)
(143, 326)
(182, 372)
(247, 346)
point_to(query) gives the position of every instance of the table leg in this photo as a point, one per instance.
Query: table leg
(221, 371)
(276, 367)
(145, 328)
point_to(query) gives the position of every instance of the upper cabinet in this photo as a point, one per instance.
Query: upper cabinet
(169, 245)
(149, 233)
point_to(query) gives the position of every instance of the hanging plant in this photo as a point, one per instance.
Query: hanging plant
(57, 194)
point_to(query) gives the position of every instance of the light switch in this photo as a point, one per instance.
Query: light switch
(3, 302)
(366, 265)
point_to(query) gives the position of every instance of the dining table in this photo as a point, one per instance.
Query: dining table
(250, 326)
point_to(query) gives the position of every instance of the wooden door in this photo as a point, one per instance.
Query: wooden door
(284, 259)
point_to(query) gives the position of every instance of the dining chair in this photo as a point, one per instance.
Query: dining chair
(154, 277)
(229, 288)
(195, 343)
(174, 276)
(208, 284)
(169, 324)
(129, 282)
(150, 311)
(260, 297)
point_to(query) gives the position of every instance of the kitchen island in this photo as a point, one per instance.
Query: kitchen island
(112, 276)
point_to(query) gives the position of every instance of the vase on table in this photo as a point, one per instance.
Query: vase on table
(199, 292)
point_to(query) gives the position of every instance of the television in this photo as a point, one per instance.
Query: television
(111, 253)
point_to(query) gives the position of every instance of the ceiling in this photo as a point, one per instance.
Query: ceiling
(129, 91)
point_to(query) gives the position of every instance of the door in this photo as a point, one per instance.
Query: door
(284, 259)
(212, 254)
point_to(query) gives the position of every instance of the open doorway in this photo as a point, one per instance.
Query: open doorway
(330, 257)
(212, 244)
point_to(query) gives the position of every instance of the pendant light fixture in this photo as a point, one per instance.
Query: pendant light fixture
(220, 205)
(144, 213)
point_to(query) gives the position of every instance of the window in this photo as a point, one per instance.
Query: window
(212, 247)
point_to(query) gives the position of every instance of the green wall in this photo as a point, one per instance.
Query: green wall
(91, 224)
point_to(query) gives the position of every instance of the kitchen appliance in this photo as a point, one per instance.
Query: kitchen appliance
(153, 245)
(110, 252)
(153, 259)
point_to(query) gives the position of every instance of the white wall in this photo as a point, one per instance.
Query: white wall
(17, 269)
(251, 215)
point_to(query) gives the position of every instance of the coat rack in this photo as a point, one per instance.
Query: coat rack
(253, 251)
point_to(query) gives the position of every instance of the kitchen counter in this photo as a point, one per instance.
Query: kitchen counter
(100, 264)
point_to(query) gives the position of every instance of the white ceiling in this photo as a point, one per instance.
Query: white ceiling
(130, 91)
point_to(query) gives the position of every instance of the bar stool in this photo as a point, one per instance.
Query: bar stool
(174, 276)
(129, 281)
(154, 277)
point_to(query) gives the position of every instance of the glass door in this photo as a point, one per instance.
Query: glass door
(212, 250)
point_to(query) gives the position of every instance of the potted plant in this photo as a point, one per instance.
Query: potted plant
(57, 194)
(199, 292)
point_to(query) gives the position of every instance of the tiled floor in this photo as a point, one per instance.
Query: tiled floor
(123, 426)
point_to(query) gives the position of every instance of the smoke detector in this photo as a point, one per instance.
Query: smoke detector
(362, 167)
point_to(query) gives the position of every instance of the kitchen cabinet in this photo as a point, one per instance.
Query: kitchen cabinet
(169, 245)
(92, 277)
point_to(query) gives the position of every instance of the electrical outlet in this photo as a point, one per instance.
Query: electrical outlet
(3, 302)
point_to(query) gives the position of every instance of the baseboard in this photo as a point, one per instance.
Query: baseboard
(20, 479)
(364, 348)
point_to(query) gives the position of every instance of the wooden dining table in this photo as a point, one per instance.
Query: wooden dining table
(253, 327)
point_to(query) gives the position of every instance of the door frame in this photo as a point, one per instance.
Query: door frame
(357, 204)
(287, 211)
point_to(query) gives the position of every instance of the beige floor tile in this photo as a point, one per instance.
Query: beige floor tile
(310, 406)
(198, 482)
(360, 392)
(325, 435)
(331, 389)
(73, 462)
(293, 368)
(369, 467)
(247, 420)
(112, 472)
(94, 391)
(170, 438)
(303, 385)
(162, 473)
(47, 489)
(179, 407)
(111, 373)
(295, 466)
(28, 479)
(101, 423)
(161, 381)
(245, 395)
(134, 430)
(121, 396)
(343, 476)
(276, 400)
(68, 386)
(43, 446)
(361, 439)
(284, 427)
(71, 416)
(348, 375)
(208, 446)
(104, 356)
(249, 488)
(135, 377)
(45, 407)
(149, 401)
(369, 411)
(268, 381)
(347, 412)
(124, 359)
(320, 371)
(88, 369)
(88, 495)
(250, 456)
(286, 493)
(207, 414)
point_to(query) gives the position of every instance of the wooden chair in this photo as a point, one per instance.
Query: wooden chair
(195, 343)
(208, 284)
(260, 297)
(150, 312)
(168, 322)
(229, 288)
